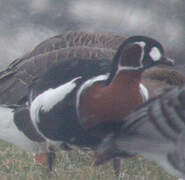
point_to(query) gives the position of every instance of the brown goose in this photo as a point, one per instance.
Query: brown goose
(17, 78)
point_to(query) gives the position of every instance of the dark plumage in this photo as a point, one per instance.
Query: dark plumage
(23, 122)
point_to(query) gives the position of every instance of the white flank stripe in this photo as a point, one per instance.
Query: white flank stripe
(48, 99)
(144, 92)
(87, 84)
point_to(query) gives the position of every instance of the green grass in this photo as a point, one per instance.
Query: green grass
(75, 165)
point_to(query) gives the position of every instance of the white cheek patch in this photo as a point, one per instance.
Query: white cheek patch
(155, 54)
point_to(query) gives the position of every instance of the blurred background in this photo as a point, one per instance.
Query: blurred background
(24, 23)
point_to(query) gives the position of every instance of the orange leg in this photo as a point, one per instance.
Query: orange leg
(46, 159)
(42, 159)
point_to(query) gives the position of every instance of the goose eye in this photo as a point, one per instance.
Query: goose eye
(155, 54)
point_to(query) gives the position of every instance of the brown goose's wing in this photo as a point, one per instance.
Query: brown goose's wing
(74, 39)
(15, 80)
(157, 79)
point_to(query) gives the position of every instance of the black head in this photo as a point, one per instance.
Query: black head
(139, 53)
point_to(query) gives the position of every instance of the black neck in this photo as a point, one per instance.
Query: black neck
(114, 65)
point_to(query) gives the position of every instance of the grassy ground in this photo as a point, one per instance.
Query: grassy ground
(75, 165)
